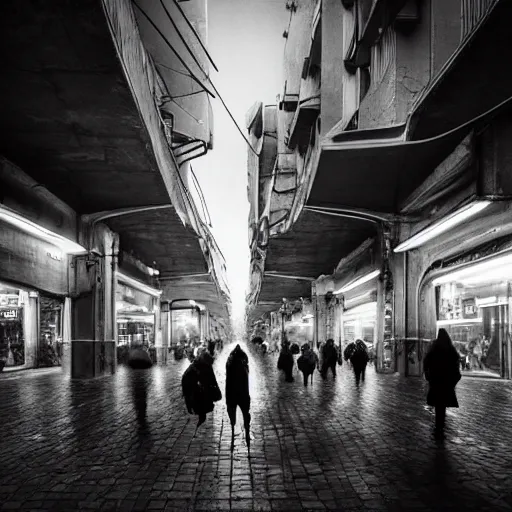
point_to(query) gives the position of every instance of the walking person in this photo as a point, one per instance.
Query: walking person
(329, 358)
(307, 363)
(286, 361)
(357, 353)
(441, 368)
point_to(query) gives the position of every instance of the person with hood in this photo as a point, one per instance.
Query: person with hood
(442, 371)
(307, 363)
(200, 387)
(357, 353)
(286, 361)
(329, 358)
(237, 391)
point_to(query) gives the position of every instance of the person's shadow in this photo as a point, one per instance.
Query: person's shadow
(139, 385)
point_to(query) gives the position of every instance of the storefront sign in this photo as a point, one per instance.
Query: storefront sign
(8, 314)
(54, 255)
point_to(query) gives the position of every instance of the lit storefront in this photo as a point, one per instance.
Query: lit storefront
(359, 319)
(473, 305)
(137, 306)
(35, 312)
(186, 322)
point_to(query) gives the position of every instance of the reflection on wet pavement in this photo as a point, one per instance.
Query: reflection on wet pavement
(125, 443)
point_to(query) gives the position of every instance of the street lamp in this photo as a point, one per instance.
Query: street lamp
(285, 311)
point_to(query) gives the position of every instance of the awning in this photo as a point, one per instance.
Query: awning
(159, 236)
(69, 118)
(474, 80)
(311, 248)
(379, 171)
(202, 289)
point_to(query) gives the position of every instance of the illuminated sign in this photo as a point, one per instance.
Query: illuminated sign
(8, 314)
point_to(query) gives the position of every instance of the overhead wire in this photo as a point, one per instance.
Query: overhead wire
(180, 35)
(211, 83)
(195, 33)
(173, 49)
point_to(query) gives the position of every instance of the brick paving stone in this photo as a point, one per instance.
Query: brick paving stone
(77, 445)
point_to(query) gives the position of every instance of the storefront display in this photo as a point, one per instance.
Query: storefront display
(359, 323)
(185, 326)
(135, 317)
(12, 341)
(473, 306)
(50, 331)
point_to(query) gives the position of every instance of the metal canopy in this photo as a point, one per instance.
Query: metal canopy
(202, 289)
(159, 236)
(68, 117)
(377, 175)
(311, 248)
(475, 79)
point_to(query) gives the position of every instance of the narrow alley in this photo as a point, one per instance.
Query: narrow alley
(81, 445)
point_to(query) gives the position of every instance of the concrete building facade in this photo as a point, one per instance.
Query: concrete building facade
(98, 224)
(397, 122)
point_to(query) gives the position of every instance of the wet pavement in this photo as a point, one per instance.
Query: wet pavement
(71, 445)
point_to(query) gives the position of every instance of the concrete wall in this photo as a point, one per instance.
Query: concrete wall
(32, 262)
(332, 64)
(297, 44)
(446, 32)
(21, 193)
(389, 100)
(196, 106)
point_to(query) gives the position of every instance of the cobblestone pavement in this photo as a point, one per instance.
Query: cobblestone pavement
(79, 445)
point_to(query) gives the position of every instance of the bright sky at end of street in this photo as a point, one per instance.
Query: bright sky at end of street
(245, 39)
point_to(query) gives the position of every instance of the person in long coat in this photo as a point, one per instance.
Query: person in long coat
(329, 358)
(286, 361)
(357, 353)
(200, 387)
(307, 363)
(442, 371)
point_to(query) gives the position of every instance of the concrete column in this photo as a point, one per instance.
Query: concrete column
(94, 325)
(332, 64)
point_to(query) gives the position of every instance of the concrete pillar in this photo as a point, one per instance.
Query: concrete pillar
(332, 64)
(94, 326)
(379, 324)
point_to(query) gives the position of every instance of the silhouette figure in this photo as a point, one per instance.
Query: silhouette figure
(329, 358)
(237, 391)
(357, 352)
(442, 371)
(286, 362)
(200, 387)
(307, 363)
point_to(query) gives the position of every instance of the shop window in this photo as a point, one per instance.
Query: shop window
(185, 327)
(50, 331)
(12, 340)
(475, 312)
(135, 311)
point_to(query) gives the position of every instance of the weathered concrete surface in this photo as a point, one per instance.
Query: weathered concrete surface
(78, 445)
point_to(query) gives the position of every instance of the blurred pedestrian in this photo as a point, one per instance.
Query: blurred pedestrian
(442, 371)
(357, 353)
(329, 358)
(307, 363)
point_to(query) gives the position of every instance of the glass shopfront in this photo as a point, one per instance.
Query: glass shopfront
(359, 323)
(51, 321)
(31, 326)
(135, 317)
(185, 326)
(473, 305)
(12, 339)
